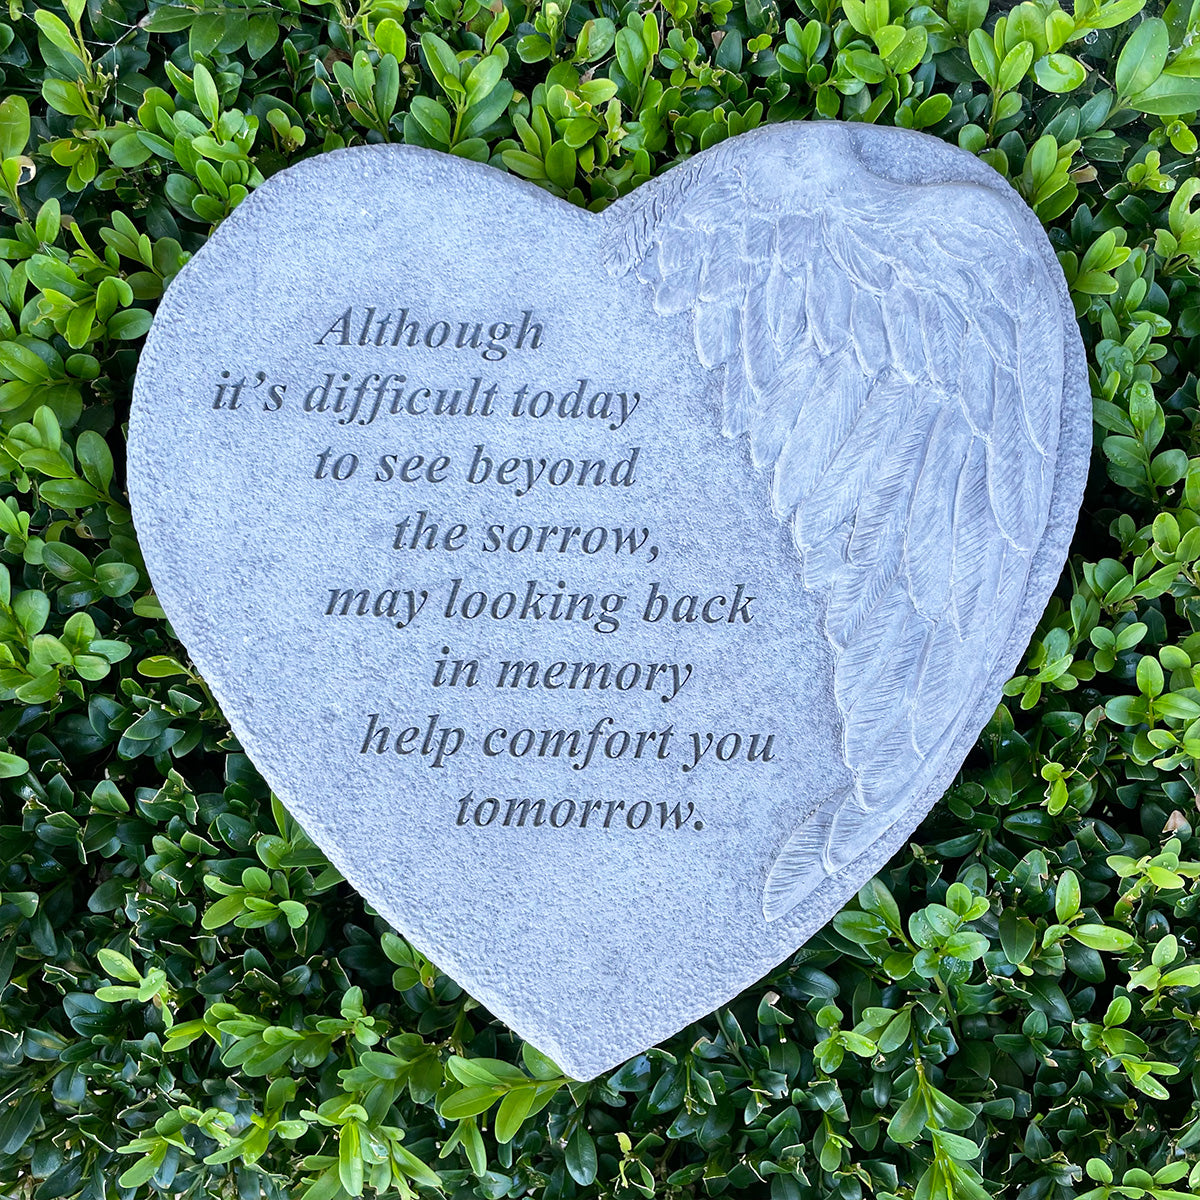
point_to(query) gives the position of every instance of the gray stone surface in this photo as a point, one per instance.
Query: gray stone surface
(833, 378)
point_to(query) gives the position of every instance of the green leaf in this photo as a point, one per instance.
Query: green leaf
(1059, 73)
(66, 562)
(1150, 676)
(1179, 708)
(262, 32)
(1142, 57)
(1102, 937)
(95, 459)
(486, 1071)
(650, 34)
(896, 1032)
(580, 1157)
(909, 1120)
(538, 1064)
(560, 165)
(966, 15)
(12, 765)
(523, 164)
(933, 110)
(1188, 976)
(1066, 896)
(443, 62)
(483, 78)
(483, 115)
(55, 30)
(161, 666)
(294, 912)
(532, 48)
(209, 30)
(65, 97)
(168, 19)
(1169, 96)
(874, 897)
(1017, 935)
(909, 54)
(949, 1113)
(433, 117)
(21, 363)
(1117, 12)
(207, 98)
(350, 1163)
(116, 579)
(889, 39)
(1014, 66)
(117, 965)
(130, 323)
(144, 1168)
(129, 151)
(69, 493)
(19, 1121)
(469, 1102)
(1126, 710)
(391, 38)
(223, 911)
(14, 126)
(41, 689)
(9, 522)
(514, 1108)
(958, 1147)
(31, 609)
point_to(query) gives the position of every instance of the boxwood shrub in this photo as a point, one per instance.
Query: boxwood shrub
(194, 1003)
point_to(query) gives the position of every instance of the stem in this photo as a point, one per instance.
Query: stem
(945, 991)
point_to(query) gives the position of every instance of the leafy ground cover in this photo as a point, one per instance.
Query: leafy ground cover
(195, 1004)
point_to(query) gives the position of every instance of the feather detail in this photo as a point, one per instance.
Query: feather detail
(828, 304)
(1040, 353)
(977, 383)
(973, 572)
(870, 270)
(677, 291)
(810, 447)
(869, 332)
(856, 594)
(718, 333)
(736, 394)
(931, 515)
(779, 402)
(800, 866)
(762, 353)
(902, 327)
(784, 300)
(838, 489)
(1014, 477)
(855, 829)
(944, 329)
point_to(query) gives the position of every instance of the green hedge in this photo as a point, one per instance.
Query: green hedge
(195, 1004)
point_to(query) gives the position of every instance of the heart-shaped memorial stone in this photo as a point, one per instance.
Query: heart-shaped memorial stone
(610, 595)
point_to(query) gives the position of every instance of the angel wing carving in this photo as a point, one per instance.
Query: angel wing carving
(900, 378)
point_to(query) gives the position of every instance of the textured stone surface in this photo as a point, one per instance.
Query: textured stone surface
(834, 380)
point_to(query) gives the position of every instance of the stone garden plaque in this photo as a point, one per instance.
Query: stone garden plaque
(611, 595)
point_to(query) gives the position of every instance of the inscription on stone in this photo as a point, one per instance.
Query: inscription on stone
(611, 595)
